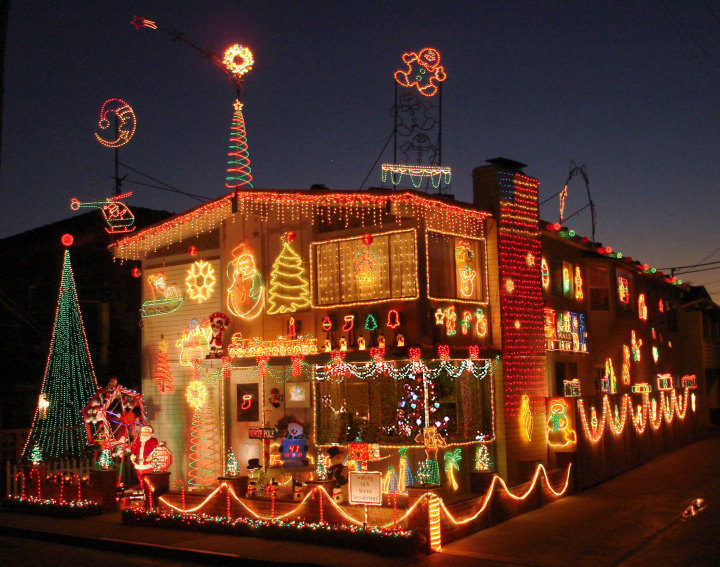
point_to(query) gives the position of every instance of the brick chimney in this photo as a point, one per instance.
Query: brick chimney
(502, 188)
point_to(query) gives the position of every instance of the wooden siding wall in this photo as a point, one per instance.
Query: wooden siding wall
(169, 412)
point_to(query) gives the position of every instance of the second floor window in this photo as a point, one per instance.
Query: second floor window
(362, 270)
(456, 267)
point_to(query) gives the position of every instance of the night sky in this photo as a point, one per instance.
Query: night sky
(630, 89)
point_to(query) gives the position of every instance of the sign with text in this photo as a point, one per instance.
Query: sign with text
(364, 488)
(261, 432)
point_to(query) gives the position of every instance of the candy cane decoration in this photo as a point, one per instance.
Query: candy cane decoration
(22, 478)
(39, 491)
(317, 493)
(394, 511)
(79, 484)
(62, 482)
(227, 500)
(150, 493)
(182, 491)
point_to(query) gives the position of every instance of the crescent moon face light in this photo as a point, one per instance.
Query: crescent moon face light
(126, 122)
(238, 60)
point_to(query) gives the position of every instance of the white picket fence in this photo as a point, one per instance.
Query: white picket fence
(72, 466)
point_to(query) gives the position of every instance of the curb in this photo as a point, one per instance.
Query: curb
(202, 557)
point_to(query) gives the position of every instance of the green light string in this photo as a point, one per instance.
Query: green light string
(69, 381)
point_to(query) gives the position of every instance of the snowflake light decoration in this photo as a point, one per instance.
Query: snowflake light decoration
(196, 394)
(200, 281)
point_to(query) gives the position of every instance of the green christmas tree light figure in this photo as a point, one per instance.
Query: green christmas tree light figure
(483, 462)
(321, 469)
(105, 461)
(232, 469)
(58, 428)
(289, 289)
(36, 455)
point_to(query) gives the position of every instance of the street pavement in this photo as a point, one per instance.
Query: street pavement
(634, 520)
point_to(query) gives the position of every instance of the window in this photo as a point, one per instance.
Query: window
(564, 371)
(568, 271)
(456, 265)
(672, 319)
(563, 280)
(544, 273)
(378, 410)
(598, 283)
(623, 290)
(347, 270)
(565, 330)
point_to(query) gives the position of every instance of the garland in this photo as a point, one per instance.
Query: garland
(51, 507)
(368, 538)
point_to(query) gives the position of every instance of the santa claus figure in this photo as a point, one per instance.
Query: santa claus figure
(142, 451)
(219, 323)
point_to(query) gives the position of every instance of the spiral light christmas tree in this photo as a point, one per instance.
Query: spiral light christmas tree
(239, 173)
(163, 377)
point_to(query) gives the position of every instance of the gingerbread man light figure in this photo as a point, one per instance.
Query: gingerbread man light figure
(423, 71)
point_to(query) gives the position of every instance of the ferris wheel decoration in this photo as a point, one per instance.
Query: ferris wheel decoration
(115, 415)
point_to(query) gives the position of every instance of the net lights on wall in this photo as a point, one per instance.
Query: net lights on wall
(521, 309)
(349, 272)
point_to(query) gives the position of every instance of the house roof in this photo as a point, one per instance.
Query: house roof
(294, 204)
(596, 248)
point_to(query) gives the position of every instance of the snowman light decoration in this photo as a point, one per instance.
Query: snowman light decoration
(293, 449)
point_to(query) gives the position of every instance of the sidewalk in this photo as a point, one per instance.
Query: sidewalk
(634, 520)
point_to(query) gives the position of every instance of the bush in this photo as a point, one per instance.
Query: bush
(371, 539)
(50, 507)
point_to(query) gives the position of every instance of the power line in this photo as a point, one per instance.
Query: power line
(679, 24)
(196, 197)
(372, 168)
(709, 9)
(695, 271)
(167, 186)
(578, 212)
(711, 254)
(690, 266)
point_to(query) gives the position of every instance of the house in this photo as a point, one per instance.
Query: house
(414, 332)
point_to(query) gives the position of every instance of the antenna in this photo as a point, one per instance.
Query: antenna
(580, 170)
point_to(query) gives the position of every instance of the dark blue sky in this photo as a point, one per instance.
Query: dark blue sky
(630, 89)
